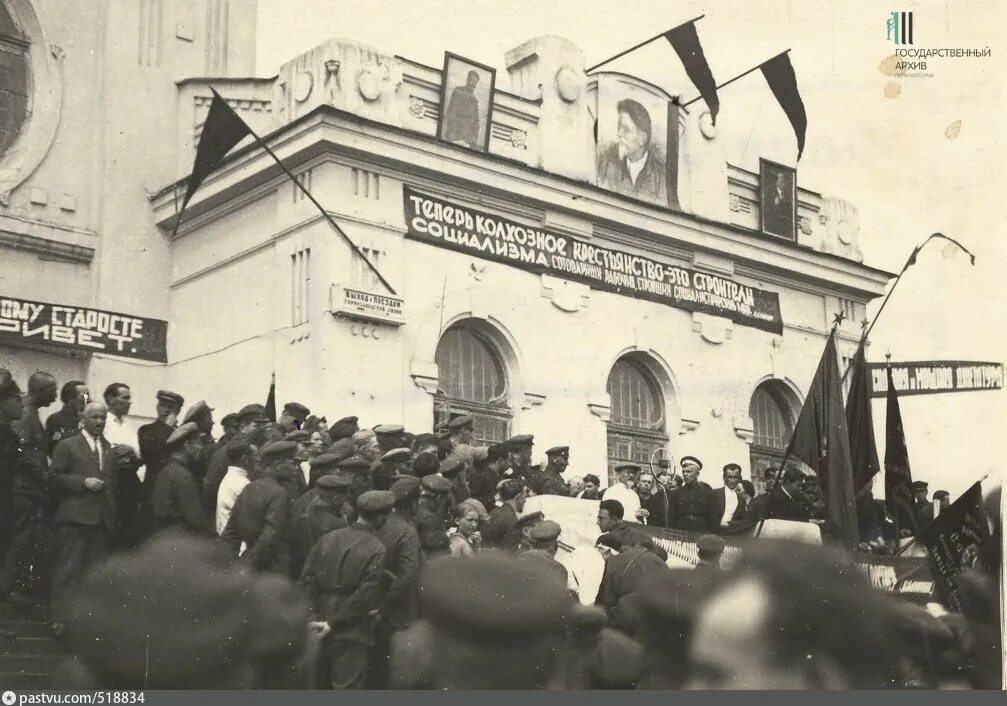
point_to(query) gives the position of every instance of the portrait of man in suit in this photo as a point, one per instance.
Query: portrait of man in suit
(466, 103)
(778, 186)
(634, 163)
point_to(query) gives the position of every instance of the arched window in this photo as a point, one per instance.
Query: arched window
(637, 426)
(473, 380)
(773, 422)
(13, 79)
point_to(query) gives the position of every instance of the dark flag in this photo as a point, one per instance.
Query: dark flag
(898, 476)
(955, 542)
(222, 130)
(271, 400)
(860, 423)
(779, 73)
(685, 41)
(821, 441)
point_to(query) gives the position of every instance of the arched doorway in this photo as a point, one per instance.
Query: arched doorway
(473, 380)
(773, 418)
(637, 427)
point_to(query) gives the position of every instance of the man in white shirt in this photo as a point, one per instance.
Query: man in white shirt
(623, 491)
(240, 456)
(730, 500)
(121, 433)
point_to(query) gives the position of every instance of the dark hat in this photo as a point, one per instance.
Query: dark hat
(546, 531)
(355, 463)
(298, 436)
(229, 419)
(520, 441)
(182, 434)
(462, 421)
(296, 410)
(278, 450)
(376, 501)
(8, 385)
(399, 454)
(496, 452)
(348, 421)
(436, 484)
(452, 465)
(627, 467)
(333, 482)
(389, 429)
(172, 397)
(252, 412)
(324, 462)
(343, 448)
(426, 439)
(195, 411)
(920, 485)
(690, 460)
(710, 544)
(493, 596)
(344, 428)
(406, 487)
(558, 451)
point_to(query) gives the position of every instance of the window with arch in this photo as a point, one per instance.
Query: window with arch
(637, 428)
(13, 79)
(473, 380)
(773, 423)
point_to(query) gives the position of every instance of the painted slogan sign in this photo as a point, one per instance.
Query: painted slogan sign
(431, 220)
(925, 377)
(81, 328)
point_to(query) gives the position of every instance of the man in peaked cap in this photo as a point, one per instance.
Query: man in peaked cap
(343, 429)
(358, 469)
(710, 548)
(460, 430)
(549, 481)
(249, 419)
(396, 462)
(201, 415)
(430, 518)
(519, 450)
(153, 437)
(230, 426)
(486, 473)
(693, 506)
(293, 415)
(261, 513)
(543, 543)
(343, 575)
(453, 468)
(389, 436)
(328, 508)
(175, 500)
(923, 509)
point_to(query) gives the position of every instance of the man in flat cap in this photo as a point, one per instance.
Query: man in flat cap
(175, 500)
(624, 491)
(342, 576)
(344, 428)
(82, 478)
(454, 469)
(397, 462)
(250, 418)
(201, 414)
(549, 481)
(692, 507)
(923, 509)
(230, 426)
(543, 543)
(358, 469)
(502, 531)
(460, 430)
(430, 519)
(519, 451)
(293, 415)
(389, 436)
(710, 549)
(329, 509)
(152, 439)
(261, 513)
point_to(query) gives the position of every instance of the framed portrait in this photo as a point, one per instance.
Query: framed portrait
(466, 102)
(778, 199)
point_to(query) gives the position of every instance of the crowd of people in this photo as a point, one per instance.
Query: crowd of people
(300, 554)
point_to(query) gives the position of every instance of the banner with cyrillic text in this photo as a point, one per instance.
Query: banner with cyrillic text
(463, 229)
(927, 377)
(81, 328)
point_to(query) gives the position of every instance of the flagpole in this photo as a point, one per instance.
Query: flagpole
(311, 198)
(741, 75)
(641, 44)
(933, 522)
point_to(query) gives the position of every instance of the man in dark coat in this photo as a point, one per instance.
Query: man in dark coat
(327, 510)
(153, 438)
(519, 453)
(201, 415)
(175, 501)
(261, 513)
(429, 519)
(626, 567)
(82, 477)
(453, 468)
(250, 419)
(731, 496)
(66, 422)
(486, 473)
(611, 523)
(502, 530)
(786, 501)
(342, 576)
(654, 499)
(691, 507)
(549, 481)
(461, 122)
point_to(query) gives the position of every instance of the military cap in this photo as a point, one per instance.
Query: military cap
(252, 412)
(172, 397)
(325, 461)
(627, 467)
(558, 451)
(426, 439)
(182, 434)
(462, 421)
(452, 465)
(333, 482)
(348, 421)
(400, 454)
(389, 429)
(296, 410)
(519, 441)
(436, 484)
(710, 544)
(343, 429)
(406, 487)
(690, 461)
(375, 501)
(343, 448)
(496, 452)
(493, 597)
(298, 436)
(546, 531)
(920, 485)
(278, 450)
(195, 411)
(355, 463)
(229, 419)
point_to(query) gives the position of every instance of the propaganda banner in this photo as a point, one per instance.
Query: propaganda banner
(463, 229)
(63, 326)
(927, 377)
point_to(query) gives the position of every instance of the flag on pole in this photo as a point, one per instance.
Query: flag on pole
(271, 400)
(820, 440)
(222, 130)
(898, 476)
(860, 423)
(685, 41)
(955, 542)
(779, 73)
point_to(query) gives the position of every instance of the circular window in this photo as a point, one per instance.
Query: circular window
(13, 79)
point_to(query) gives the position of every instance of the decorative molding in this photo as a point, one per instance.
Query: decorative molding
(688, 425)
(149, 33)
(713, 329)
(50, 249)
(519, 139)
(417, 107)
(532, 399)
(744, 429)
(217, 22)
(565, 295)
(805, 224)
(602, 411)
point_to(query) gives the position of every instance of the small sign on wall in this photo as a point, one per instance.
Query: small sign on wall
(357, 304)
